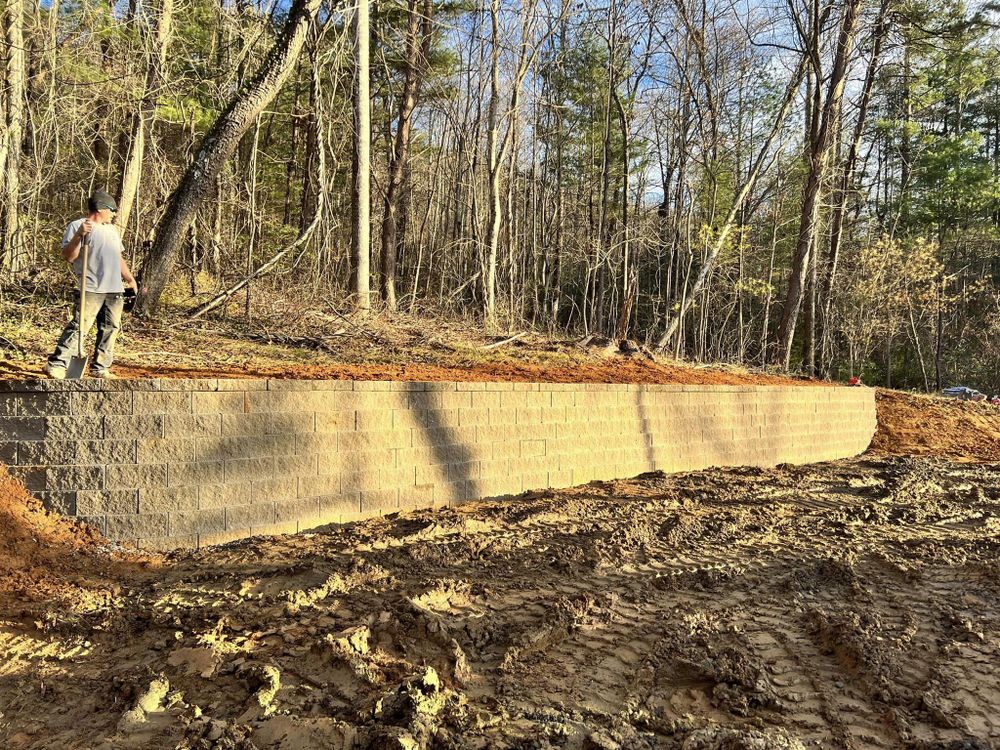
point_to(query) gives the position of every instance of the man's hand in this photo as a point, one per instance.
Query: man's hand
(86, 228)
(130, 283)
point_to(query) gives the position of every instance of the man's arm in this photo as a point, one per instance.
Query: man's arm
(127, 275)
(71, 250)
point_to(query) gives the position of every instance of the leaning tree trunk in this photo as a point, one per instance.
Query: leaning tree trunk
(10, 218)
(217, 148)
(764, 158)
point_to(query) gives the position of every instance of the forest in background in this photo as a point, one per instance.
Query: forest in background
(805, 184)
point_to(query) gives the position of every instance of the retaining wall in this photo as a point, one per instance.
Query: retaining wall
(172, 463)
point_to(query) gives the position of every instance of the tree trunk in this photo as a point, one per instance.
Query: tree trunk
(361, 192)
(143, 117)
(10, 212)
(847, 175)
(216, 148)
(418, 41)
(818, 160)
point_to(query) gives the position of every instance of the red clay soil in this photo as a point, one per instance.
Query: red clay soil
(45, 556)
(618, 371)
(925, 425)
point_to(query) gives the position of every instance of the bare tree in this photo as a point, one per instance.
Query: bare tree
(216, 148)
(819, 154)
(418, 42)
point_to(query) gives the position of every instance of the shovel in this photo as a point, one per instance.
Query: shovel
(78, 364)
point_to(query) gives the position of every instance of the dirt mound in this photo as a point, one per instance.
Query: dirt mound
(850, 604)
(45, 556)
(909, 424)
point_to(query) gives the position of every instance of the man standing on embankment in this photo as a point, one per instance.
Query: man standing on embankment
(105, 272)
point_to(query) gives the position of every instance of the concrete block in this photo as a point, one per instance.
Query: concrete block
(9, 403)
(473, 417)
(418, 496)
(274, 490)
(243, 384)
(293, 510)
(218, 402)
(402, 477)
(340, 505)
(123, 427)
(370, 441)
(443, 436)
(99, 523)
(107, 502)
(319, 442)
(334, 421)
(485, 400)
(63, 503)
(301, 465)
(197, 472)
(102, 403)
(164, 402)
(184, 522)
(186, 384)
(456, 493)
(234, 425)
(377, 419)
(43, 404)
(373, 385)
(8, 452)
(108, 452)
(166, 500)
(249, 469)
(167, 450)
(41, 452)
(532, 448)
(168, 543)
(242, 516)
(73, 478)
(136, 526)
(333, 462)
(32, 477)
(248, 446)
(319, 485)
(447, 472)
(223, 495)
(379, 502)
(135, 476)
(192, 425)
(24, 428)
(292, 423)
(359, 481)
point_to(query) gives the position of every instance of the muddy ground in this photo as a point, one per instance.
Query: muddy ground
(854, 604)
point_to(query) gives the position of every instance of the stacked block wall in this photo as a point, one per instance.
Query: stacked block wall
(172, 463)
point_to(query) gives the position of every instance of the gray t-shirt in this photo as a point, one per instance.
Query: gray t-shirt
(104, 259)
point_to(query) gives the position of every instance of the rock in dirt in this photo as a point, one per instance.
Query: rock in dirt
(149, 701)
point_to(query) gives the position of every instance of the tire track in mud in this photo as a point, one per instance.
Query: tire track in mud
(854, 604)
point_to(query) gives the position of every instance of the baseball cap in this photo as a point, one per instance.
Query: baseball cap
(99, 199)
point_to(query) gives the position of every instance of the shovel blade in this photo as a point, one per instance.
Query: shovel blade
(77, 367)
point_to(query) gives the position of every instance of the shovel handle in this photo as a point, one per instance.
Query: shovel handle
(83, 293)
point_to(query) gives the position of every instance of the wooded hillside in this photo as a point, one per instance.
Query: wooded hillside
(805, 184)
